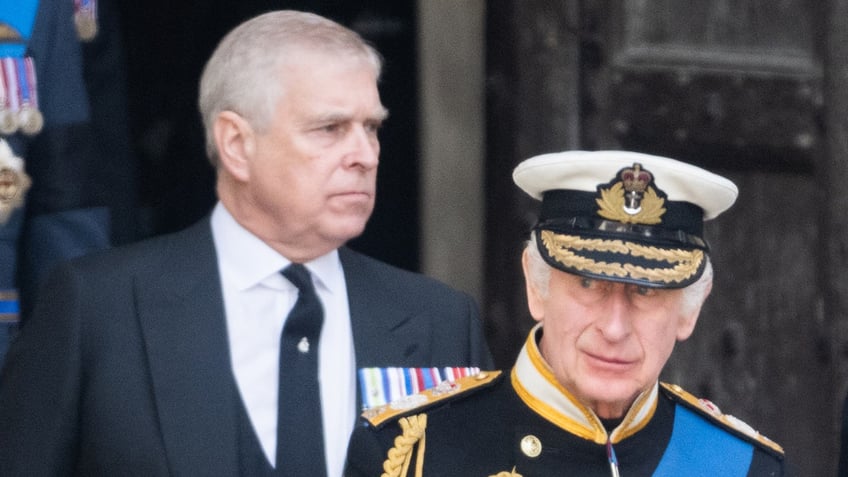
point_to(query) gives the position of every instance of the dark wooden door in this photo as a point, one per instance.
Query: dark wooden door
(756, 90)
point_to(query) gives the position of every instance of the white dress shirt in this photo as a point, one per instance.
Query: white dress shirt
(257, 299)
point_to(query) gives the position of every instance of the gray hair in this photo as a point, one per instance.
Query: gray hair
(539, 275)
(241, 75)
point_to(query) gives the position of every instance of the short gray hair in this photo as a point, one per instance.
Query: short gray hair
(539, 275)
(241, 75)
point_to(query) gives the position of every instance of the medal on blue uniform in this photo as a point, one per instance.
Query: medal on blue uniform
(21, 97)
(11, 99)
(17, 72)
(8, 122)
(14, 181)
(18, 100)
(30, 119)
(85, 19)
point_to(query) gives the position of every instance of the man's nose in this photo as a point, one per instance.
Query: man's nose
(616, 322)
(365, 148)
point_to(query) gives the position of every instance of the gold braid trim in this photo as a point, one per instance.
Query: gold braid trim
(668, 255)
(400, 456)
(684, 269)
(561, 248)
(577, 243)
(567, 257)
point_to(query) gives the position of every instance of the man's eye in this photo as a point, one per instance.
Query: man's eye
(645, 291)
(373, 127)
(587, 282)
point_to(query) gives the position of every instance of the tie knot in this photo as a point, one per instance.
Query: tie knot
(306, 317)
(299, 276)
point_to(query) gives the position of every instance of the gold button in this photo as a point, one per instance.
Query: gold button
(531, 446)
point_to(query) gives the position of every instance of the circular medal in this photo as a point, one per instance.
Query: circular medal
(13, 186)
(8, 122)
(10, 184)
(30, 120)
(14, 182)
(86, 25)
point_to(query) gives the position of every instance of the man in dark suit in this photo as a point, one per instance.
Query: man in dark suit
(162, 358)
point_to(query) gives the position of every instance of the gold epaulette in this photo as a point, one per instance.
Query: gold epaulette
(708, 409)
(417, 402)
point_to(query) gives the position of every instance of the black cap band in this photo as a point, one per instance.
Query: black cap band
(679, 216)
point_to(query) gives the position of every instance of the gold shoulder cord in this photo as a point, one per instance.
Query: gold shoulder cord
(400, 456)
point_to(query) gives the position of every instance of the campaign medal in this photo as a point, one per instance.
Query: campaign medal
(85, 19)
(30, 119)
(8, 122)
(14, 181)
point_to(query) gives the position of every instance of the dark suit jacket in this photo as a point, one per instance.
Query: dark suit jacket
(124, 367)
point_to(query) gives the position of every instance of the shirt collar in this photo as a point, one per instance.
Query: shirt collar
(535, 383)
(249, 261)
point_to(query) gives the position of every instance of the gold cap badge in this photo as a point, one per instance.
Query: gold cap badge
(631, 199)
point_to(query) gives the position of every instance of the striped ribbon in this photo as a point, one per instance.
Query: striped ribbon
(381, 386)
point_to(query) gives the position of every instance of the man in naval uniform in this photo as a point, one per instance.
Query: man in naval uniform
(616, 272)
(45, 143)
(63, 131)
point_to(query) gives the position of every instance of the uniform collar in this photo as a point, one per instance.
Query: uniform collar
(534, 382)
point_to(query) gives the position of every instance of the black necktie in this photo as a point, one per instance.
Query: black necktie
(300, 436)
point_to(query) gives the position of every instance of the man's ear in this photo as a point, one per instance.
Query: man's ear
(535, 301)
(687, 321)
(236, 142)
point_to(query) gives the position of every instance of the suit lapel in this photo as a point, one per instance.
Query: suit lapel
(182, 319)
(378, 316)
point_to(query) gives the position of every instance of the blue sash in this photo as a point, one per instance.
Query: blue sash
(20, 15)
(698, 448)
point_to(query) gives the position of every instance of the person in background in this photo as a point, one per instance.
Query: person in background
(172, 356)
(64, 144)
(616, 272)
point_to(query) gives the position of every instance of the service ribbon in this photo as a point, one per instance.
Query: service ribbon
(8, 123)
(30, 119)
